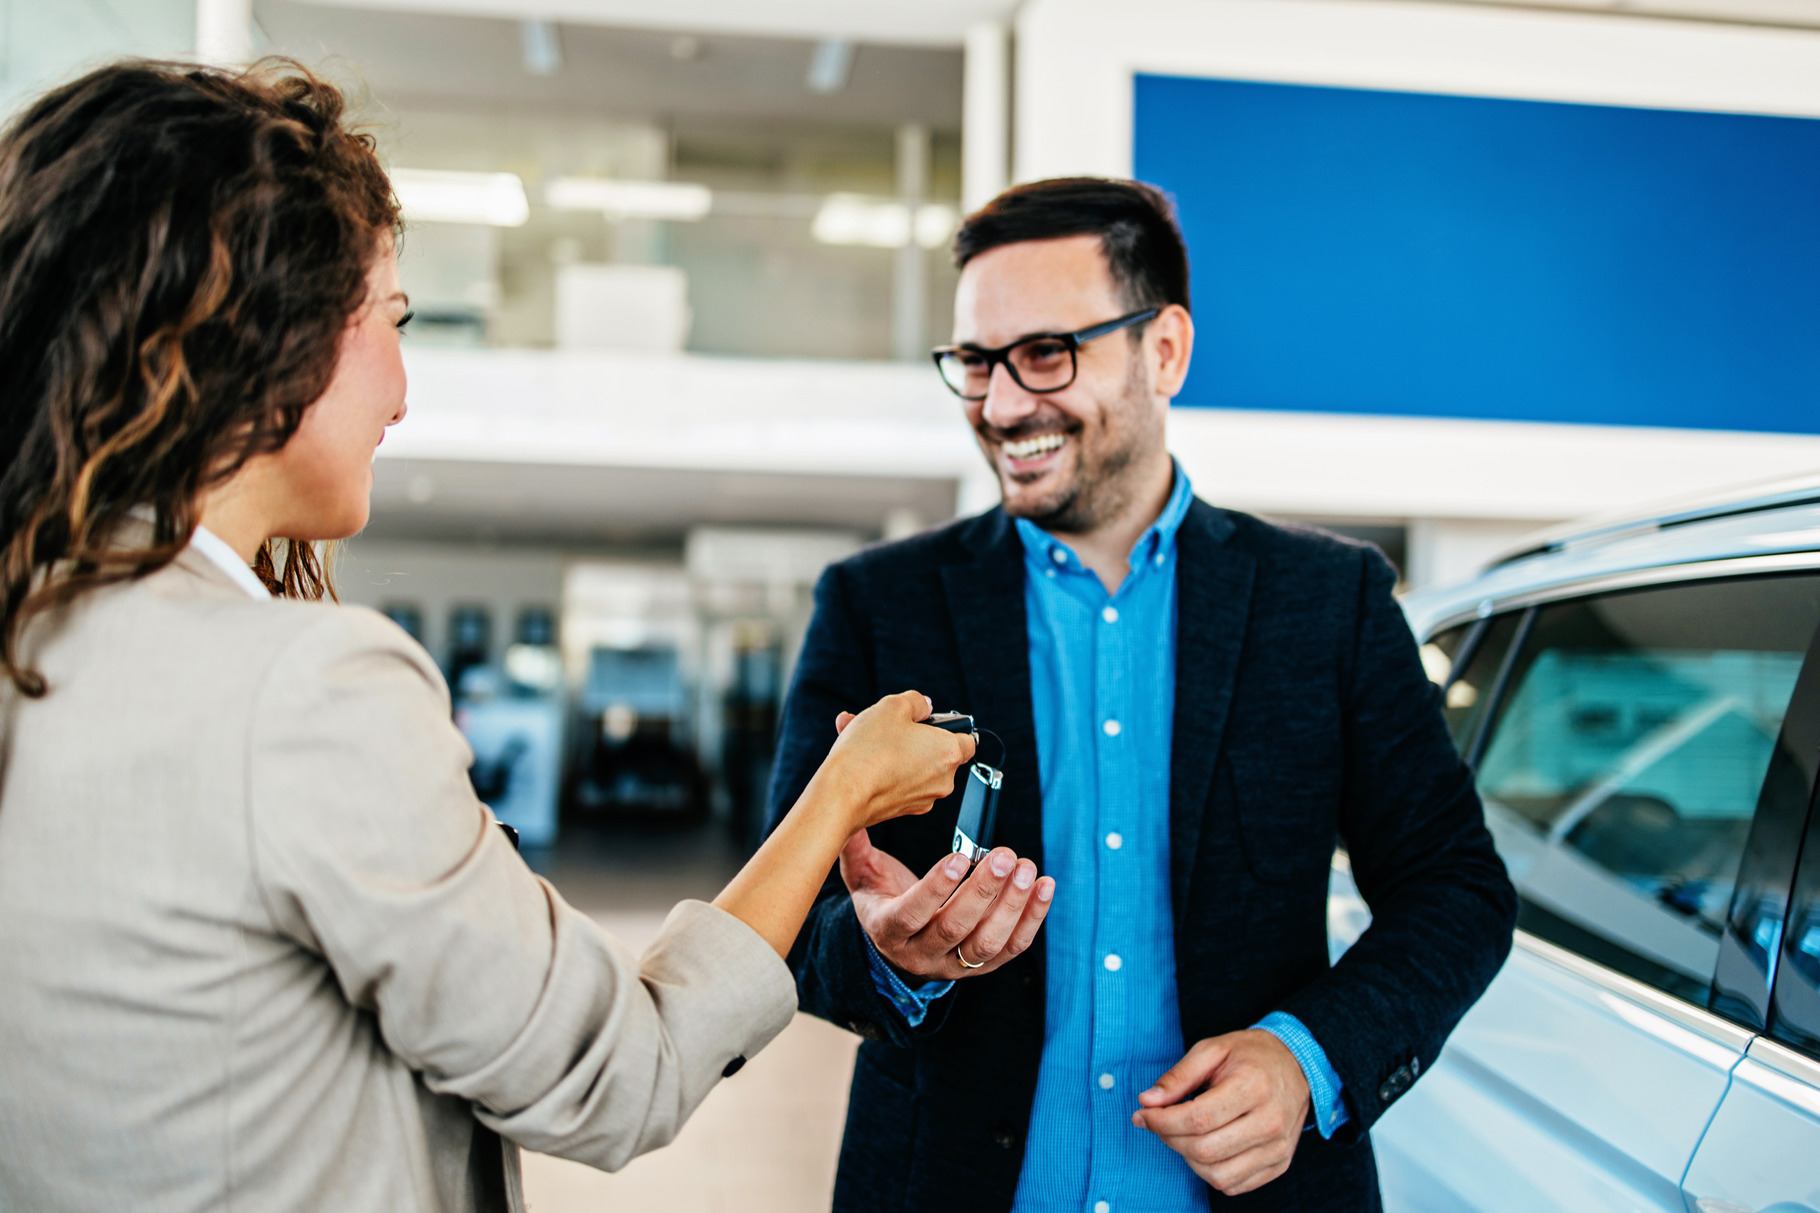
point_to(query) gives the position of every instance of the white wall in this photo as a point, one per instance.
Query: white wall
(1075, 60)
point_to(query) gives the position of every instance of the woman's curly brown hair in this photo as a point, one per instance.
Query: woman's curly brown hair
(181, 249)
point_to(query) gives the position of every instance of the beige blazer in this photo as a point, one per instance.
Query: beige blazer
(261, 948)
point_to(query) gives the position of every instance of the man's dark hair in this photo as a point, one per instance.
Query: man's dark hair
(1135, 223)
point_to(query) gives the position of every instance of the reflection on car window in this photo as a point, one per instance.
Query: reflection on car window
(1470, 686)
(1796, 1020)
(1624, 768)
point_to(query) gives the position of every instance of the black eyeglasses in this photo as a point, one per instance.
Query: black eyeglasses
(1042, 362)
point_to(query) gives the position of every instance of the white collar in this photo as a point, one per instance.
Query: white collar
(215, 549)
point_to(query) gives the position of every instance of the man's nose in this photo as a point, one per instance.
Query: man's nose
(1006, 402)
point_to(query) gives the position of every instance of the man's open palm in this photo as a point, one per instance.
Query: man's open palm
(926, 926)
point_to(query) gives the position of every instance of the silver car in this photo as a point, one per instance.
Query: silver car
(1640, 700)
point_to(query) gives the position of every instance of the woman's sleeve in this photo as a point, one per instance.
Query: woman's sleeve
(371, 849)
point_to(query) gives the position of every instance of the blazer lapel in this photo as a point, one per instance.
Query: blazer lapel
(1213, 583)
(986, 606)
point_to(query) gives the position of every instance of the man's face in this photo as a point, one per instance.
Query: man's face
(1065, 460)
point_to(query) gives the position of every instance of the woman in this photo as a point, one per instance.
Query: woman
(260, 946)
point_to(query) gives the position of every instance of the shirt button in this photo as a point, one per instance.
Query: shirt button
(1111, 727)
(1113, 963)
(1159, 558)
(1049, 573)
(1058, 555)
(1114, 841)
(1110, 614)
(1106, 1081)
(1100, 1206)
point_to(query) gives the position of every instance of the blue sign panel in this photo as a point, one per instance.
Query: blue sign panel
(1357, 251)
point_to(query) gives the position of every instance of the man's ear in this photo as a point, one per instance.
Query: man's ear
(1169, 343)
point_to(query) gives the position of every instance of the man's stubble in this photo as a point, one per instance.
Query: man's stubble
(1103, 486)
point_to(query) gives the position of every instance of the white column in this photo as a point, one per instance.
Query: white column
(910, 282)
(985, 115)
(224, 31)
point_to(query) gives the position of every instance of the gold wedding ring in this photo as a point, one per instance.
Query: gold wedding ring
(965, 963)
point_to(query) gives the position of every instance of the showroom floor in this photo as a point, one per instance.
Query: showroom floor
(766, 1139)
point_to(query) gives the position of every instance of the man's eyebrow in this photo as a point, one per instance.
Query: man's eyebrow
(975, 345)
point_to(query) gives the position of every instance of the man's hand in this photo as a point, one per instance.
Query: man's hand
(920, 925)
(1240, 1131)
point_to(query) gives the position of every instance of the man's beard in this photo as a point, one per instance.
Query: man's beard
(1099, 489)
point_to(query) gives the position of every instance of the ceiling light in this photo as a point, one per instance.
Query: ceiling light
(830, 66)
(852, 219)
(540, 46)
(630, 199)
(438, 196)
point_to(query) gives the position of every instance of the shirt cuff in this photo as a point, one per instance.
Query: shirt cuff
(1323, 1082)
(913, 1005)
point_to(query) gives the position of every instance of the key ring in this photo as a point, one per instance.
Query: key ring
(965, 963)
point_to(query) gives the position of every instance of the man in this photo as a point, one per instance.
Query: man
(1195, 706)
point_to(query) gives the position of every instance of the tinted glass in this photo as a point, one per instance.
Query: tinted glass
(1625, 765)
(1469, 686)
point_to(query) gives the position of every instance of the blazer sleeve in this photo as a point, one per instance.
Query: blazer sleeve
(834, 673)
(1443, 908)
(371, 850)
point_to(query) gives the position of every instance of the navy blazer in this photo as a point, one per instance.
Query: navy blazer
(1303, 717)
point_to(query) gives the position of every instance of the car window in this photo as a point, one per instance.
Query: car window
(1468, 684)
(1623, 771)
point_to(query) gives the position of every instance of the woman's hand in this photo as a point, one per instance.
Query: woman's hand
(885, 764)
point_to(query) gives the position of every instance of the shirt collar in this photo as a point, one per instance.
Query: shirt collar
(216, 551)
(1154, 545)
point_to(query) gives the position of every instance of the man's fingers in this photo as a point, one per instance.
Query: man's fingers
(1247, 1170)
(1256, 1129)
(988, 941)
(842, 721)
(918, 904)
(1035, 910)
(1188, 1075)
(970, 902)
(1208, 1112)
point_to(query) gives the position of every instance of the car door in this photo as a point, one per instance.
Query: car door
(1762, 1151)
(1622, 743)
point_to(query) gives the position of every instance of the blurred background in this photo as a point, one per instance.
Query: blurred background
(1461, 270)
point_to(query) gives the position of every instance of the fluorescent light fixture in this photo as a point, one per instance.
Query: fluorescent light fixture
(541, 46)
(630, 199)
(879, 223)
(438, 196)
(830, 66)
(935, 224)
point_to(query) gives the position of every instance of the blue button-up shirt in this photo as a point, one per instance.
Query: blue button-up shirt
(1102, 685)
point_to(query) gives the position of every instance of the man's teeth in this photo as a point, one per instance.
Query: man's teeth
(1030, 448)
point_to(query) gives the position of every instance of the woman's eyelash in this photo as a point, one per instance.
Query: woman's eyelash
(404, 320)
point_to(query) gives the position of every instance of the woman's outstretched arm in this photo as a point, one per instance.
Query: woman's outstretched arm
(883, 765)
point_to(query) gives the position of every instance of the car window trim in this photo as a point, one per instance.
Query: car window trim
(1627, 579)
(1469, 647)
(1694, 1018)
(1788, 1063)
(1474, 749)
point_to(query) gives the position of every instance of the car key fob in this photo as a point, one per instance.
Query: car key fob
(954, 722)
(979, 805)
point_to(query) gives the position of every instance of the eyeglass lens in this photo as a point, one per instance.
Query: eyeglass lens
(1042, 364)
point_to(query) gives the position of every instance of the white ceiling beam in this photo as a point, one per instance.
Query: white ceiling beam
(924, 23)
